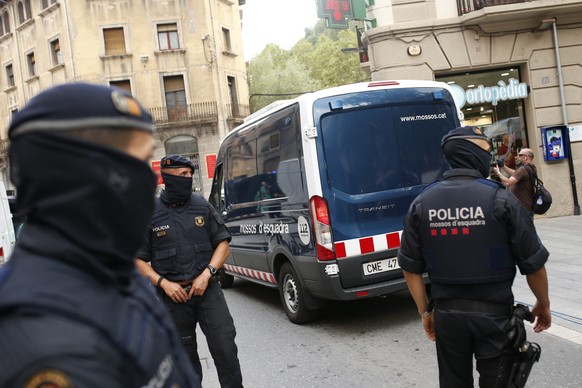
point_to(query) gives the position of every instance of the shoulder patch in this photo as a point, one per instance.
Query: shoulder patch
(48, 378)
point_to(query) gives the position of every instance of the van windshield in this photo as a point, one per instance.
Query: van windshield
(382, 148)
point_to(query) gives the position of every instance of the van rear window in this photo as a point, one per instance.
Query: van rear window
(383, 148)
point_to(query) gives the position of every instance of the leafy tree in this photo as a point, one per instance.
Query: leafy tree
(275, 72)
(315, 62)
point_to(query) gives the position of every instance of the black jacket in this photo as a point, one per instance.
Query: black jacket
(469, 233)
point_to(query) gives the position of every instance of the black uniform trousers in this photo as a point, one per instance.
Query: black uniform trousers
(211, 311)
(462, 333)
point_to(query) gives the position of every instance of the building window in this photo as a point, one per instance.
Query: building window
(47, 3)
(168, 36)
(56, 54)
(226, 40)
(6, 22)
(24, 11)
(175, 94)
(9, 75)
(124, 84)
(114, 41)
(31, 62)
(233, 97)
(502, 120)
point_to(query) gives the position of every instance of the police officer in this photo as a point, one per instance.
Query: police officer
(73, 309)
(469, 234)
(186, 243)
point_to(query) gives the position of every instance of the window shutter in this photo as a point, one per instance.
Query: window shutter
(114, 41)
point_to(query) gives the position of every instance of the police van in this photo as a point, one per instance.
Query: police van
(7, 236)
(314, 190)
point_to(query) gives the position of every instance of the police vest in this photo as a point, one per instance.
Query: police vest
(133, 323)
(463, 242)
(180, 245)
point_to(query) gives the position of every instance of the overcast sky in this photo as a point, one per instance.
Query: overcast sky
(275, 21)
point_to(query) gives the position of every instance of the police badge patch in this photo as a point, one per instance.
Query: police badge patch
(199, 221)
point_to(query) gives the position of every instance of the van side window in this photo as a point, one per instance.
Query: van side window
(217, 194)
(279, 156)
(242, 173)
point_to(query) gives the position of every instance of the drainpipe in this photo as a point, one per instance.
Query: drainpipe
(565, 115)
(69, 32)
(221, 109)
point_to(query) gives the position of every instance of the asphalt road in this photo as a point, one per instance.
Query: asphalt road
(369, 343)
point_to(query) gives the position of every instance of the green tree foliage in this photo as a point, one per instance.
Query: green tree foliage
(315, 62)
(274, 71)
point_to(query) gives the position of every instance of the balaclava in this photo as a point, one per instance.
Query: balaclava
(178, 189)
(86, 204)
(467, 147)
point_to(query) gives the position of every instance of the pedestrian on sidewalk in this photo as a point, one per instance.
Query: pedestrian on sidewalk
(521, 182)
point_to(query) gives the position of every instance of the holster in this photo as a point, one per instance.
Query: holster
(520, 354)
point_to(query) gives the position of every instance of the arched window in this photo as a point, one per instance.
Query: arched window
(24, 11)
(28, 9)
(6, 20)
(21, 14)
(2, 32)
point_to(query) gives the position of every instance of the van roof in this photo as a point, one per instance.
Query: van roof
(338, 90)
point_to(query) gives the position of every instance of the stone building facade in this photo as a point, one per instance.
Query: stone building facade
(516, 67)
(183, 59)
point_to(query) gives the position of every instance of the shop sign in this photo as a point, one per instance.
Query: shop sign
(492, 94)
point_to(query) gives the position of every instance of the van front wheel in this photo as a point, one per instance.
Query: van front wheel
(293, 296)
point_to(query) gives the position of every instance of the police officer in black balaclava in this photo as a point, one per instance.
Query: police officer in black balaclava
(186, 243)
(73, 309)
(469, 234)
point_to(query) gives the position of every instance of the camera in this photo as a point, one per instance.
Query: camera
(499, 162)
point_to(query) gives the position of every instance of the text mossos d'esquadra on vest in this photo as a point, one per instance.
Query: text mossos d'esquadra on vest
(461, 216)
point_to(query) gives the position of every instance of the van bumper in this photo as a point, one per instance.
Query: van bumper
(330, 286)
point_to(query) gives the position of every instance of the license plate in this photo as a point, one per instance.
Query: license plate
(380, 266)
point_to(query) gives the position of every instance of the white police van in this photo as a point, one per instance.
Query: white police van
(7, 236)
(315, 190)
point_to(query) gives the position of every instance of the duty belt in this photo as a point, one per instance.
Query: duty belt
(474, 305)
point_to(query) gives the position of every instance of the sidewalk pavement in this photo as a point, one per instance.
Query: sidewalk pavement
(562, 236)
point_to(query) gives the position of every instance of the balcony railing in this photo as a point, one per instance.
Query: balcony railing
(466, 6)
(198, 112)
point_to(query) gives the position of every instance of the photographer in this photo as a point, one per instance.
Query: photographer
(520, 182)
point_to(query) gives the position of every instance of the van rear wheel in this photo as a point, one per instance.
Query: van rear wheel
(225, 279)
(293, 296)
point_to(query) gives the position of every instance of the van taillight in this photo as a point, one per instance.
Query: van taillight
(322, 228)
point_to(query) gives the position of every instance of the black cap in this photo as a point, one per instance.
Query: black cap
(176, 161)
(80, 106)
(464, 133)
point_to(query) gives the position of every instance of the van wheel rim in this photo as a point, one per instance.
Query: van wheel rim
(290, 293)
